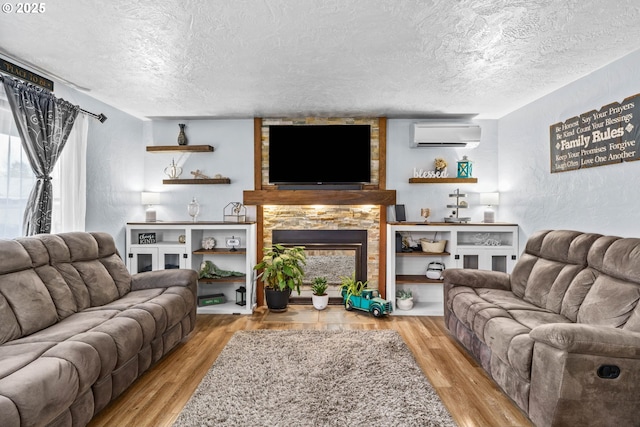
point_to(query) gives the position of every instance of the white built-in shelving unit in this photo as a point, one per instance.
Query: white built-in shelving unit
(179, 245)
(469, 245)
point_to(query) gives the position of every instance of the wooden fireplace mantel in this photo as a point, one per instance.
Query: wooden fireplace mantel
(319, 197)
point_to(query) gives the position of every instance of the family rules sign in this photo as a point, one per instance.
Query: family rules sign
(597, 138)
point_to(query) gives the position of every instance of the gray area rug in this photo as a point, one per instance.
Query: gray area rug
(315, 378)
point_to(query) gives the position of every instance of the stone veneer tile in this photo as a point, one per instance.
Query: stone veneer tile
(332, 217)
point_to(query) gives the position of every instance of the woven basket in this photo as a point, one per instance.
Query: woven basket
(433, 247)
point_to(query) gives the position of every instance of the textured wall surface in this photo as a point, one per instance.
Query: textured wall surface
(601, 199)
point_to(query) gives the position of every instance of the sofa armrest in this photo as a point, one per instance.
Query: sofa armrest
(477, 278)
(164, 279)
(589, 339)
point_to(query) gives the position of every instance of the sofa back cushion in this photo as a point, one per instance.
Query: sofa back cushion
(25, 303)
(552, 267)
(90, 267)
(613, 298)
(46, 278)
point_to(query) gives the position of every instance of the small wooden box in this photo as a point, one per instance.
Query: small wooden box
(213, 299)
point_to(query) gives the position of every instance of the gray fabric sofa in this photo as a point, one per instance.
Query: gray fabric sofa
(561, 334)
(76, 329)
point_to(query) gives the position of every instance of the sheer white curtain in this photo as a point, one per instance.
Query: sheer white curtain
(69, 181)
(16, 175)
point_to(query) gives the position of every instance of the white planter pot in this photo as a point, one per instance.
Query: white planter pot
(404, 304)
(320, 302)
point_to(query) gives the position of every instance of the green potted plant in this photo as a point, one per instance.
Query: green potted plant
(320, 297)
(404, 299)
(282, 272)
(350, 286)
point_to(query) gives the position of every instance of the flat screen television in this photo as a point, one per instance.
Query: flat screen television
(319, 154)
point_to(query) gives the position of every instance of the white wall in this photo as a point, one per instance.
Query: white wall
(232, 157)
(601, 199)
(115, 165)
(401, 159)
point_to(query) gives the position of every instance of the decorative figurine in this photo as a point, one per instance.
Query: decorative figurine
(441, 165)
(208, 243)
(368, 300)
(173, 171)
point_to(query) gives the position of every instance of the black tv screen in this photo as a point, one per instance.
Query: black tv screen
(319, 154)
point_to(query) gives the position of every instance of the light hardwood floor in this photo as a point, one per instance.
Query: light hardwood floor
(157, 397)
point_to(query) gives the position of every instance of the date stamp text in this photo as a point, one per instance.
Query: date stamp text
(24, 8)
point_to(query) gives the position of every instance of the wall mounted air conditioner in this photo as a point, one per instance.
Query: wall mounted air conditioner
(443, 134)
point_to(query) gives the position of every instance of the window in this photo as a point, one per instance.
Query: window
(17, 178)
(16, 181)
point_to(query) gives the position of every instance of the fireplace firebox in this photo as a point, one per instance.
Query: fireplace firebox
(338, 243)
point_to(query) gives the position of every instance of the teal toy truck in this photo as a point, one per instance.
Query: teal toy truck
(368, 300)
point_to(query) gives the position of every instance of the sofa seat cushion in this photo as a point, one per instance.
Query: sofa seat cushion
(506, 300)
(127, 335)
(41, 390)
(133, 298)
(75, 324)
(15, 357)
(166, 306)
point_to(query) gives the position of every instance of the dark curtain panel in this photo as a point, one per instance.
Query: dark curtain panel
(44, 123)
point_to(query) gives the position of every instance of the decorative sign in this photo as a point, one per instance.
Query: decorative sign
(597, 138)
(146, 238)
(25, 75)
(421, 173)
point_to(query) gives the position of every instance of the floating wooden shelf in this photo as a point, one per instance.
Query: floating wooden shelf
(418, 253)
(443, 180)
(232, 279)
(183, 148)
(319, 197)
(415, 279)
(197, 181)
(220, 251)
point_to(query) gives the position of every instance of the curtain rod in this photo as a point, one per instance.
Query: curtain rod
(101, 117)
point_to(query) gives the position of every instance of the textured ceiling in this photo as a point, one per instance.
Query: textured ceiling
(396, 58)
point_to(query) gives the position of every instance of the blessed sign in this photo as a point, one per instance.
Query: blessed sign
(597, 138)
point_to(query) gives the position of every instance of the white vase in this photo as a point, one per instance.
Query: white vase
(320, 302)
(404, 304)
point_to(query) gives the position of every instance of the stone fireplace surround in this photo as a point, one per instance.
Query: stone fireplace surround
(325, 209)
(312, 219)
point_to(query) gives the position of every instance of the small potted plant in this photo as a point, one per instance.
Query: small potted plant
(350, 287)
(282, 272)
(404, 299)
(320, 297)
